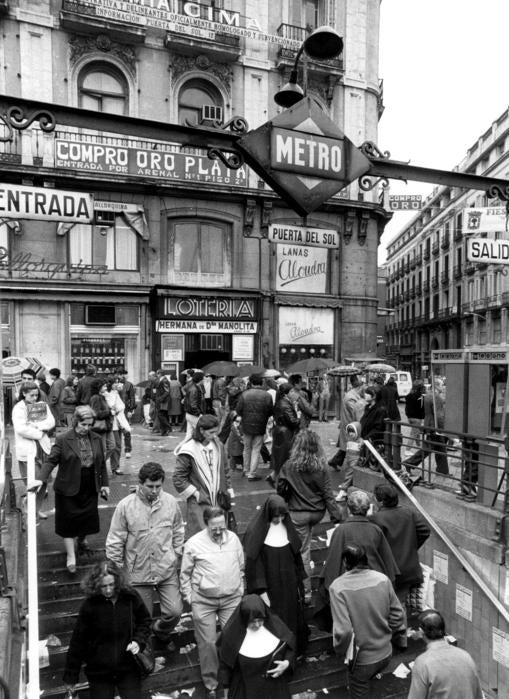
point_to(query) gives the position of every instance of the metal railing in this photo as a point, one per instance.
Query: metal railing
(477, 468)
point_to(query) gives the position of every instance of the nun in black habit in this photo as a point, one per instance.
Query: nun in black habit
(274, 568)
(256, 652)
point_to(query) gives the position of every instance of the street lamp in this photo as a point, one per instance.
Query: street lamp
(322, 44)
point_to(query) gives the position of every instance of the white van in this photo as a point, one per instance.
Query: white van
(403, 382)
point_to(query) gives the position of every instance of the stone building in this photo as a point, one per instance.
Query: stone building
(177, 269)
(443, 296)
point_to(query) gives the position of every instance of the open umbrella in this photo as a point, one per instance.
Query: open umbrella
(249, 369)
(12, 368)
(380, 368)
(306, 366)
(221, 368)
(344, 370)
(271, 373)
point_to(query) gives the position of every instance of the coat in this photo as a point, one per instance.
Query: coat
(175, 400)
(254, 407)
(26, 433)
(66, 455)
(194, 399)
(359, 530)
(390, 398)
(311, 492)
(373, 422)
(286, 426)
(405, 531)
(55, 398)
(145, 538)
(102, 633)
(191, 474)
(162, 393)
(352, 409)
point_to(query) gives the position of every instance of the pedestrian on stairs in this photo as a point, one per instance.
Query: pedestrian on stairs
(146, 537)
(113, 626)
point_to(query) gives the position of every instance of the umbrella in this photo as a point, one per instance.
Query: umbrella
(381, 368)
(249, 369)
(306, 366)
(344, 370)
(271, 373)
(221, 368)
(144, 384)
(12, 368)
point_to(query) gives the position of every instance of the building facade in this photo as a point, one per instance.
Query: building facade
(445, 282)
(178, 269)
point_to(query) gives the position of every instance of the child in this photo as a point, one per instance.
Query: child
(353, 448)
(236, 445)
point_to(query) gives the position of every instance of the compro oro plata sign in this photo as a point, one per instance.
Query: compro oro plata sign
(18, 201)
(488, 251)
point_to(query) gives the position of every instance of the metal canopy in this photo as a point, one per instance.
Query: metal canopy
(221, 142)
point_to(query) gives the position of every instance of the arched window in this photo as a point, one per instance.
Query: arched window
(103, 88)
(199, 100)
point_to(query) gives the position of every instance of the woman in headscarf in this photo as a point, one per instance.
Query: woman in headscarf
(274, 568)
(202, 472)
(256, 651)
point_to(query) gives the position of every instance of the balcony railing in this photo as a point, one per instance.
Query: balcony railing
(418, 258)
(434, 282)
(418, 289)
(427, 254)
(445, 242)
(413, 263)
(469, 268)
(407, 268)
(458, 235)
(505, 297)
(435, 248)
(494, 301)
(444, 277)
(457, 271)
(425, 286)
(286, 56)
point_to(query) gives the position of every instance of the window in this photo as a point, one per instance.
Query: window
(199, 253)
(198, 100)
(115, 246)
(103, 88)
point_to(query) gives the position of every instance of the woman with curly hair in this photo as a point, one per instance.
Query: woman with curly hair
(113, 626)
(305, 483)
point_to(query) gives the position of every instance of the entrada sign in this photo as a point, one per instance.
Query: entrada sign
(18, 201)
(303, 156)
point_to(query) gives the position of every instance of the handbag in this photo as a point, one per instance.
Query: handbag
(224, 500)
(144, 659)
(100, 425)
(284, 489)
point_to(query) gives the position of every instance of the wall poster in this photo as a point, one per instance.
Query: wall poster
(302, 268)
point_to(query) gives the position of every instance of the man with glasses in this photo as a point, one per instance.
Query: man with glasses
(212, 582)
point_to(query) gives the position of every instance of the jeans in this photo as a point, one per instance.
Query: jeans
(359, 679)
(205, 612)
(164, 424)
(169, 596)
(323, 406)
(128, 686)
(128, 445)
(115, 453)
(252, 445)
(303, 522)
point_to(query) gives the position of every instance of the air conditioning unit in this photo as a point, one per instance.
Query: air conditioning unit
(104, 218)
(209, 112)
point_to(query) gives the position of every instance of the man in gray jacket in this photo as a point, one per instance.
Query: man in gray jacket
(146, 538)
(254, 407)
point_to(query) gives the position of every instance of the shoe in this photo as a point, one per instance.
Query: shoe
(254, 478)
(71, 567)
(270, 480)
(117, 472)
(128, 455)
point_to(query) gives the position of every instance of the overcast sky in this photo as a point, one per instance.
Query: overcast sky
(444, 66)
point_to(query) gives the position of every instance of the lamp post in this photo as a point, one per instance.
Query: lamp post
(322, 44)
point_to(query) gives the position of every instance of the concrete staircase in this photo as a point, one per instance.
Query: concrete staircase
(60, 598)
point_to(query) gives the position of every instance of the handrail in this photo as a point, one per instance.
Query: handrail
(33, 594)
(439, 531)
(5, 687)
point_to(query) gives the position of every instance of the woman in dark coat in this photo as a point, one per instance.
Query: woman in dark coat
(113, 626)
(286, 426)
(373, 424)
(274, 566)
(104, 419)
(256, 651)
(81, 477)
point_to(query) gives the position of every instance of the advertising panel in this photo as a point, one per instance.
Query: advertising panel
(301, 268)
(306, 326)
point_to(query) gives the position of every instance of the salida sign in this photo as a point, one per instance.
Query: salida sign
(303, 156)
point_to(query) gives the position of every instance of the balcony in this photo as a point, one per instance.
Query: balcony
(434, 282)
(457, 271)
(425, 286)
(435, 248)
(407, 296)
(418, 289)
(458, 235)
(505, 297)
(444, 277)
(494, 301)
(286, 56)
(218, 46)
(412, 292)
(418, 259)
(469, 268)
(407, 268)
(427, 253)
(444, 244)
(84, 18)
(413, 263)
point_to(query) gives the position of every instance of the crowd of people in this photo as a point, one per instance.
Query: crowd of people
(257, 589)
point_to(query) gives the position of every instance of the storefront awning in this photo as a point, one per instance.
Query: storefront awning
(308, 302)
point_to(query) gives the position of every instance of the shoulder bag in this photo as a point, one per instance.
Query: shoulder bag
(144, 659)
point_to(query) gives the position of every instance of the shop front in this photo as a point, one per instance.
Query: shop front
(192, 330)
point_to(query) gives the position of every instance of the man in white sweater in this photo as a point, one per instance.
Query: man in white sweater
(212, 582)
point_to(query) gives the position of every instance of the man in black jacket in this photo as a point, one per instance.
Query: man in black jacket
(161, 398)
(254, 407)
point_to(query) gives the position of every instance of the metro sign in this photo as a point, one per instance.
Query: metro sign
(303, 156)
